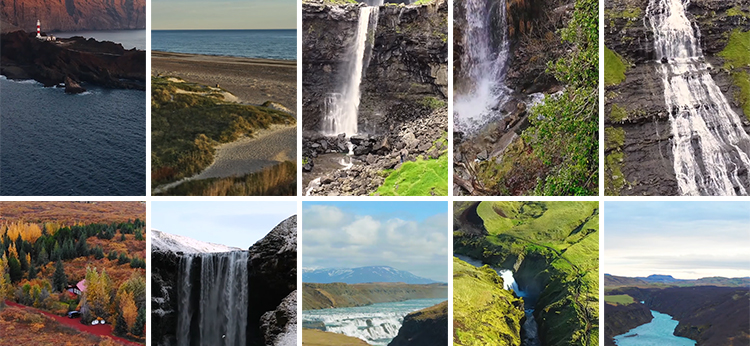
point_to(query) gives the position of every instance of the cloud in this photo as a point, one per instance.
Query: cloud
(334, 238)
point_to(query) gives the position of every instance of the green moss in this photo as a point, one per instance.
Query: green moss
(614, 180)
(432, 102)
(614, 68)
(614, 137)
(419, 178)
(742, 80)
(737, 11)
(736, 51)
(617, 113)
(422, 2)
(483, 312)
(620, 299)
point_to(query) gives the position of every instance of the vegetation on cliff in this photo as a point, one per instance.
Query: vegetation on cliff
(564, 130)
(737, 57)
(483, 312)
(426, 327)
(614, 68)
(552, 247)
(424, 177)
(188, 120)
(341, 295)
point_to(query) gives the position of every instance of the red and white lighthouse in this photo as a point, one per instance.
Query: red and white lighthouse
(38, 29)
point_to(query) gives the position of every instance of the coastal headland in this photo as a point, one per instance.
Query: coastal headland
(72, 60)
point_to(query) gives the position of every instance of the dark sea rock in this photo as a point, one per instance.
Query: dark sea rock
(71, 87)
(105, 64)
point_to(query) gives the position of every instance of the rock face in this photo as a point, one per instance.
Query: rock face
(636, 105)
(425, 327)
(622, 318)
(73, 15)
(71, 87)
(713, 316)
(407, 64)
(341, 295)
(105, 64)
(272, 278)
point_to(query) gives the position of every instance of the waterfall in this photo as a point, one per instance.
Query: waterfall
(509, 282)
(711, 150)
(213, 299)
(341, 109)
(484, 59)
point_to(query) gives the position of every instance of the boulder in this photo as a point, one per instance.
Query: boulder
(279, 327)
(71, 87)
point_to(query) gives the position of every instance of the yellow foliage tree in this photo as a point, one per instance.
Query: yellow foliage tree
(12, 250)
(6, 289)
(128, 308)
(29, 232)
(98, 293)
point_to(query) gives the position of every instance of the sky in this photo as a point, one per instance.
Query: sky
(410, 236)
(226, 14)
(687, 240)
(236, 224)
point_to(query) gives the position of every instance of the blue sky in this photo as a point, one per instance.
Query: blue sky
(687, 240)
(237, 224)
(227, 14)
(411, 236)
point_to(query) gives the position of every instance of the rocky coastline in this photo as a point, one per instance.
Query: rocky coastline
(72, 61)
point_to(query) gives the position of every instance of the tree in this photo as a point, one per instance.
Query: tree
(138, 235)
(32, 272)
(128, 309)
(56, 252)
(140, 323)
(6, 288)
(43, 257)
(112, 255)
(59, 279)
(123, 259)
(98, 252)
(82, 249)
(15, 271)
(122, 237)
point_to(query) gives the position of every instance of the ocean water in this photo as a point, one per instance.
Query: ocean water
(377, 324)
(53, 144)
(128, 38)
(263, 44)
(658, 332)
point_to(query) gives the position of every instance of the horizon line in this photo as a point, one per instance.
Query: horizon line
(152, 29)
(703, 277)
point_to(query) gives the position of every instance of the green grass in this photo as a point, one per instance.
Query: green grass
(737, 57)
(614, 137)
(620, 299)
(186, 127)
(737, 11)
(614, 68)
(483, 312)
(617, 113)
(418, 178)
(432, 102)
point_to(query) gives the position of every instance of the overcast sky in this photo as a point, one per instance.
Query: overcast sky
(227, 14)
(236, 224)
(410, 236)
(687, 240)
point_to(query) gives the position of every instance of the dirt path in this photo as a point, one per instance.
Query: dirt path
(100, 330)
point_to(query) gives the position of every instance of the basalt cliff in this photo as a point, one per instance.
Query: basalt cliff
(73, 15)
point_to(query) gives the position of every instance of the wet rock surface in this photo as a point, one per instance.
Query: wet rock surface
(105, 64)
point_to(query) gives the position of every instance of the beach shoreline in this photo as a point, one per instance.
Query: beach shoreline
(252, 80)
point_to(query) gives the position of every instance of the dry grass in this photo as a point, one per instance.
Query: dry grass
(72, 212)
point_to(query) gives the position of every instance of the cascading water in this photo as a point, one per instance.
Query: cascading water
(341, 109)
(484, 58)
(213, 299)
(711, 150)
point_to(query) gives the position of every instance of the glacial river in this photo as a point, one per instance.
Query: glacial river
(658, 332)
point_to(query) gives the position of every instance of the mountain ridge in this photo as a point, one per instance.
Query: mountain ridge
(360, 275)
(662, 279)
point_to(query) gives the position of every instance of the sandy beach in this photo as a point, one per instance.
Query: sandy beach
(253, 81)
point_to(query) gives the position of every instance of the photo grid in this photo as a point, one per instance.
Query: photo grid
(581, 167)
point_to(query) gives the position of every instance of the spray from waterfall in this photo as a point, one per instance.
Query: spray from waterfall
(485, 56)
(213, 299)
(711, 150)
(341, 109)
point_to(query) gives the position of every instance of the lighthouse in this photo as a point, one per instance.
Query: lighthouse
(38, 29)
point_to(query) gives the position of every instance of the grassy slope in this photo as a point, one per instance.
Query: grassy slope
(424, 177)
(483, 312)
(614, 68)
(340, 295)
(566, 235)
(185, 127)
(620, 299)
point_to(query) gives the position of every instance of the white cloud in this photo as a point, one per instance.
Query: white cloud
(363, 231)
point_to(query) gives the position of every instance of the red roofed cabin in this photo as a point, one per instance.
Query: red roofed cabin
(79, 288)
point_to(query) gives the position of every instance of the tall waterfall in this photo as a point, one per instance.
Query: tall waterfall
(484, 58)
(709, 145)
(213, 299)
(341, 109)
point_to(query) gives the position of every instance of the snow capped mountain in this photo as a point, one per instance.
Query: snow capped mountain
(161, 241)
(361, 275)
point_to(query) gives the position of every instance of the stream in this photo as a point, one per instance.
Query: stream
(529, 332)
